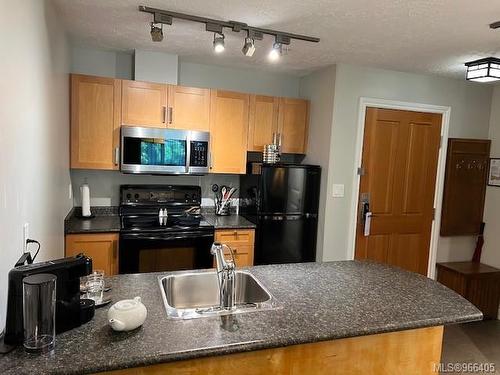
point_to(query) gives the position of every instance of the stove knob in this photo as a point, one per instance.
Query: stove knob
(129, 195)
(136, 196)
(186, 196)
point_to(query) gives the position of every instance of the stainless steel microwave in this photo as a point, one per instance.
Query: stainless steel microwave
(164, 151)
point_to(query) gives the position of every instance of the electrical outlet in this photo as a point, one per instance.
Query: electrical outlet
(26, 235)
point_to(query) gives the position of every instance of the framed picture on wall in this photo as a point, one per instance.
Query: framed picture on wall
(494, 172)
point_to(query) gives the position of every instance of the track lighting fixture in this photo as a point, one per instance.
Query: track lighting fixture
(249, 47)
(165, 17)
(276, 52)
(218, 43)
(156, 32)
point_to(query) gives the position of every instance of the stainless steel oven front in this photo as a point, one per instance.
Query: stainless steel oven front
(164, 151)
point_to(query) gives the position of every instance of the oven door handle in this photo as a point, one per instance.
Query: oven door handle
(142, 236)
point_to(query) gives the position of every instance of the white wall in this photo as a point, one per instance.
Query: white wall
(318, 88)
(156, 67)
(491, 249)
(102, 63)
(34, 132)
(237, 79)
(470, 109)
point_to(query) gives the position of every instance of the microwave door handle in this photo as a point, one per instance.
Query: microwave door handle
(188, 152)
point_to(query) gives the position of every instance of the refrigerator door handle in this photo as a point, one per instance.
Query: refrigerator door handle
(282, 217)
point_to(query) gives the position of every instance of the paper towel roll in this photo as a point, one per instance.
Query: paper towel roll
(85, 191)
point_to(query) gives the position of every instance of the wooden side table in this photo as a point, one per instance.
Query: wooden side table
(478, 283)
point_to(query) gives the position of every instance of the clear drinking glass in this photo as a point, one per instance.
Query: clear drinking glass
(39, 312)
(94, 286)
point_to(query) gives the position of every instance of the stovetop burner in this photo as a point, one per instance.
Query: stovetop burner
(144, 208)
(158, 223)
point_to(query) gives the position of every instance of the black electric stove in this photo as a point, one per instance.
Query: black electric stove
(162, 229)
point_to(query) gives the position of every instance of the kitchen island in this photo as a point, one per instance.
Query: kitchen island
(351, 313)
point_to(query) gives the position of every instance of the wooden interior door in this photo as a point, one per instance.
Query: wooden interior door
(400, 155)
(293, 123)
(144, 104)
(228, 131)
(95, 122)
(190, 108)
(263, 121)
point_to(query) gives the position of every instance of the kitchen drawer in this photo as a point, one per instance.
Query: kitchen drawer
(243, 255)
(235, 237)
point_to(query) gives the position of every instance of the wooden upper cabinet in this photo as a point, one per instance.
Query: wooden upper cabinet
(144, 104)
(95, 122)
(293, 124)
(228, 131)
(263, 121)
(188, 108)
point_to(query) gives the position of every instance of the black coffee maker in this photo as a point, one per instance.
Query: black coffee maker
(71, 312)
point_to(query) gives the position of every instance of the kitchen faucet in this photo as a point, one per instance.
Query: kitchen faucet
(225, 275)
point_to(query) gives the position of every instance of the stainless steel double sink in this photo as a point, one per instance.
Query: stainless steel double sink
(189, 295)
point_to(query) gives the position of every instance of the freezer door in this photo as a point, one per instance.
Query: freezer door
(289, 190)
(286, 239)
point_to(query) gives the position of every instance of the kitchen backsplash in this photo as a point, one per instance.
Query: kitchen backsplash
(105, 185)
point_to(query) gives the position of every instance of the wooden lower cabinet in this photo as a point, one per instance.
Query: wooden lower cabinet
(101, 247)
(415, 351)
(476, 282)
(241, 242)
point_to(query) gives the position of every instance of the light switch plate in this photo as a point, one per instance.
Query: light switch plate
(338, 190)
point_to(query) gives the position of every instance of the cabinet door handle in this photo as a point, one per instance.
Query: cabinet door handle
(170, 115)
(279, 140)
(164, 114)
(117, 155)
(274, 138)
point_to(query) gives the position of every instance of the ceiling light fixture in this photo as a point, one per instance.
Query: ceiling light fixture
(219, 43)
(165, 17)
(276, 52)
(156, 32)
(483, 70)
(249, 47)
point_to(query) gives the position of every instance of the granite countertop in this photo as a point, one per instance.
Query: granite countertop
(320, 301)
(233, 221)
(106, 219)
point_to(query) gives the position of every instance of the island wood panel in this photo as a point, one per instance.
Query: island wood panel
(101, 247)
(415, 351)
(95, 122)
(190, 108)
(293, 125)
(144, 104)
(263, 121)
(228, 131)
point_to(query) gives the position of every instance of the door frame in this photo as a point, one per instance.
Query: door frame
(445, 111)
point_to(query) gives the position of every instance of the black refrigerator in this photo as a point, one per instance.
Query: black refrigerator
(282, 200)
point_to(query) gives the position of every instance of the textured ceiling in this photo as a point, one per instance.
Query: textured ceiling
(429, 36)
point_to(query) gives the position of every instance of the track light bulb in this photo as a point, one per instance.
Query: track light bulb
(276, 52)
(249, 47)
(218, 43)
(156, 32)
